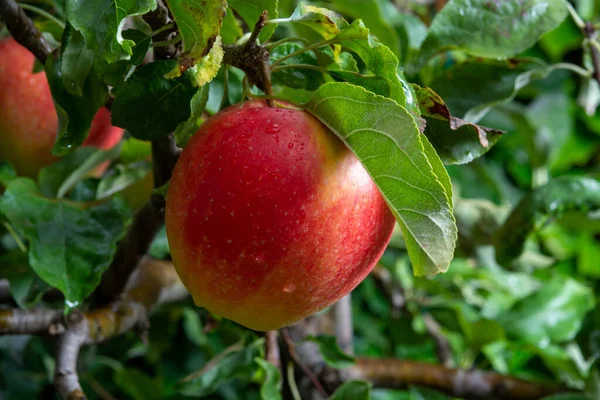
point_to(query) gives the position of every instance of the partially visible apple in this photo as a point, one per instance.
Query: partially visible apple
(270, 217)
(28, 120)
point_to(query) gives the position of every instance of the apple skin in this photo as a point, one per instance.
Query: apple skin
(28, 120)
(270, 218)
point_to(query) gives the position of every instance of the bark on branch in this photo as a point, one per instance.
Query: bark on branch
(471, 384)
(23, 30)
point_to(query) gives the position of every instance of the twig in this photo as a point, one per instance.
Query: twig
(252, 58)
(442, 346)
(395, 293)
(272, 348)
(146, 223)
(291, 347)
(34, 322)
(344, 332)
(23, 30)
(471, 384)
(66, 379)
(590, 33)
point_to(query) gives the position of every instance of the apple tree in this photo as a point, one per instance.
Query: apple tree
(190, 191)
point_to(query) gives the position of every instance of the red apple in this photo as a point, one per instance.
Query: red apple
(270, 218)
(28, 120)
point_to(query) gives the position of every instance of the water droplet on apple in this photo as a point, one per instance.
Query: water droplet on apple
(228, 240)
(273, 129)
(289, 288)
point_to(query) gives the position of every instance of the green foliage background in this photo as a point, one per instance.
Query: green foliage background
(520, 293)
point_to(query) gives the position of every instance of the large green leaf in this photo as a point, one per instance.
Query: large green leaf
(250, 12)
(456, 141)
(561, 195)
(70, 244)
(187, 128)
(552, 315)
(75, 113)
(385, 138)
(199, 24)
(100, 22)
(491, 29)
(353, 390)
(149, 105)
(77, 60)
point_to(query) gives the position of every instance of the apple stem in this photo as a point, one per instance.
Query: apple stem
(253, 59)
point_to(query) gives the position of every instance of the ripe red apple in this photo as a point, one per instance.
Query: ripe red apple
(270, 218)
(28, 120)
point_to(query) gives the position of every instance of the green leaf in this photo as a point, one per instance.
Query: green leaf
(379, 59)
(237, 361)
(270, 389)
(75, 113)
(114, 74)
(549, 202)
(323, 21)
(456, 141)
(100, 23)
(160, 245)
(370, 12)
(122, 177)
(250, 12)
(208, 67)
(230, 30)
(491, 29)
(70, 244)
(193, 327)
(7, 173)
(331, 352)
(137, 384)
(199, 24)
(567, 396)
(353, 390)
(77, 60)
(552, 315)
(385, 138)
(186, 129)
(57, 179)
(25, 286)
(471, 88)
(149, 105)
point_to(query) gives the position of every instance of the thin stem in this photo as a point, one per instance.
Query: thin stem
(264, 16)
(169, 42)
(576, 18)
(303, 50)
(162, 29)
(267, 97)
(15, 237)
(292, 381)
(42, 13)
(572, 67)
(265, 73)
(272, 45)
(298, 66)
(225, 98)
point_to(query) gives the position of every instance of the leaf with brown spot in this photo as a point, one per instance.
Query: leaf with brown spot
(455, 140)
(199, 24)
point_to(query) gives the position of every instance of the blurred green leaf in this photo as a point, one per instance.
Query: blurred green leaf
(387, 139)
(323, 21)
(553, 314)
(237, 361)
(77, 60)
(25, 286)
(122, 177)
(550, 201)
(480, 27)
(7, 173)
(71, 244)
(353, 390)
(137, 384)
(270, 388)
(331, 352)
